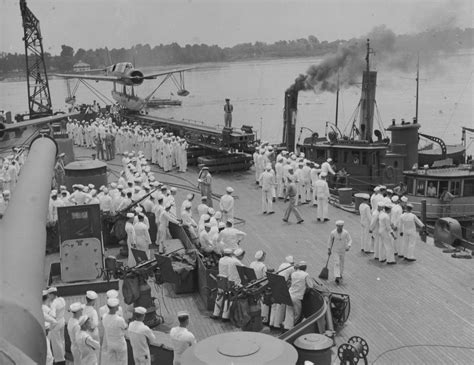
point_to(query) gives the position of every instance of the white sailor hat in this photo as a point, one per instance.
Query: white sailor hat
(203, 198)
(113, 185)
(229, 189)
(390, 191)
(395, 198)
(377, 189)
(54, 193)
(45, 292)
(381, 205)
(410, 205)
(404, 199)
(364, 196)
(52, 290)
(259, 254)
(323, 174)
(46, 325)
(91, 186)
(228, 251)
(102, 187)
(139, 209)
(168, 205)
(113, 302)
(218, 215)
(130, 215)
(205, 217)
(136, 187)
(221, 225)
(82, 320)
(120, 186)
(238, 252)
(316, 165)
(62, 187)
(289, 259)
(112, 293)
(183, 314)
(90, 294)
(302, 263)
(189, 196)
(329, 159)
(389, 205)
(340, 222)
(207, 225)
(173, 189)
(211, 211)
(75, 307)
(187, 204)
(62, 154)
(140, 310)
(383, 187)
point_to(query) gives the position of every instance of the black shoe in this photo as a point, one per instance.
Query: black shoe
(362, 250)
(214, 317)
(338, 280)
(391, 263)
(274, 200)
(225, 320)
(270, 213)
(411, 260)
(319, 220)
(301, 221)
(285, 220)
(382, 261)
(326, 219)
(264, 212)
(401, 257)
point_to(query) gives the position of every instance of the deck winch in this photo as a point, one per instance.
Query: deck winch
(354, 350)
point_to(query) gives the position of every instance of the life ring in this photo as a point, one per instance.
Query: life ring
(389, 172)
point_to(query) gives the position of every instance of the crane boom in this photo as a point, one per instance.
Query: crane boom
(39, 97)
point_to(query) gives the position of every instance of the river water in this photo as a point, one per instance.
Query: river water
(256, 89)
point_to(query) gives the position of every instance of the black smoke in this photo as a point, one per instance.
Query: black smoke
(392, 52)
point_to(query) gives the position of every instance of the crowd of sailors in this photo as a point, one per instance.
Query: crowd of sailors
(388, 230)
(109, 139)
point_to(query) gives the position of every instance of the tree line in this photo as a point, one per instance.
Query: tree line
(143, 55)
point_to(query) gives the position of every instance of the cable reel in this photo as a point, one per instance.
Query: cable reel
(351, 352)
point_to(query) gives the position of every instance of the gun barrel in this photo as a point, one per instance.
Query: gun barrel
(23, 241)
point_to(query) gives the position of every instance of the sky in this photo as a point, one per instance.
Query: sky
(123, 23)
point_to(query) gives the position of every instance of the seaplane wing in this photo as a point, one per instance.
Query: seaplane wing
(162, 73)
(90, 77)
(9, 127)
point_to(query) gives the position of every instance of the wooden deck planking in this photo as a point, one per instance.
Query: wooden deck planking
(425, 302)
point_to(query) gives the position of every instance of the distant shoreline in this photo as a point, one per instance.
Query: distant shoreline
(20, 77)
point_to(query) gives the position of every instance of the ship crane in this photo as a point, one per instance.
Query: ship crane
(437, 140)
(39, 97)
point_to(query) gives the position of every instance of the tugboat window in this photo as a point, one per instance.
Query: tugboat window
(420, 187)
(468, 188)
(455, 188)
(346, 156)
(410, 182)
(443, 185)
(432, 189)
(364, 158)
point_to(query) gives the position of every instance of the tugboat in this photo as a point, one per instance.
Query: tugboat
(443, 177)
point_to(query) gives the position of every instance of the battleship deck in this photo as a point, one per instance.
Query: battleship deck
(409, 313)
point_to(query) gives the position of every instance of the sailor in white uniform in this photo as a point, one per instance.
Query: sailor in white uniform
(300, 281)
(181, 337)
(73, 329)
(56, 334)
(114, 333)
(227, 205)
(366, 244)
(322, 193)
(140, 335)
(339, 242)
(408, 224)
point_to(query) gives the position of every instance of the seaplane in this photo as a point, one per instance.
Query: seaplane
(125, 77)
